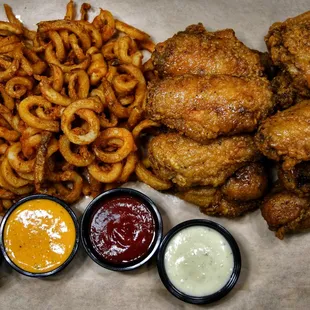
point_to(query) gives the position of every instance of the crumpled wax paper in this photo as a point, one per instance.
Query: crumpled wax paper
(275, 274)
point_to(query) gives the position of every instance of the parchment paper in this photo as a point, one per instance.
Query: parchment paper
(275, 274)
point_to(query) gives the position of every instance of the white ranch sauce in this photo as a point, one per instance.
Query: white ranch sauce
(198, 261)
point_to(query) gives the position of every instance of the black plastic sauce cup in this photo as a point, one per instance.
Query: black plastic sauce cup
(93, 207)
(75, 247)
(201, 299)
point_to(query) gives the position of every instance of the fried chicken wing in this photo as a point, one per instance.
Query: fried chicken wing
(286, 212)
(237, 196)
(286, 135)
(188, 163)
(205, 107)
(288, 44)
(198, 51)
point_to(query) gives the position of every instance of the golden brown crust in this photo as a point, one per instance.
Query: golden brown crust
(205, 107)
(198, 51)
(285, 135)
(240, 194)
(286, 212)
(288, 44)
(188, 163)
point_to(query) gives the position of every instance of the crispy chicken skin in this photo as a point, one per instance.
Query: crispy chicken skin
(286, 135)
(188, 163)
(198, 51)
(286, 212)
(205, 107)
(238, 195)
(288, 44)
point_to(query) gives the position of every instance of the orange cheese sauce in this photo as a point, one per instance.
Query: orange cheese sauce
(39, 235)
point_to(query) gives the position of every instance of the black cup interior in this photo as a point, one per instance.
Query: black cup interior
(203, 299)
(92, 208)
(74, 250)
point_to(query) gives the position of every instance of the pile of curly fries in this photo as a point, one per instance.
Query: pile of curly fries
(71, 104)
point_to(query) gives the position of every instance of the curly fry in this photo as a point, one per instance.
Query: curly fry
(105, 173)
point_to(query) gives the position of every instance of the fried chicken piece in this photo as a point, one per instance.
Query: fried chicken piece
(286, 135)
(296, 179)
(286, 212)
(198, 51)
(188, 163)
(288, 44)
(237, 196)
(205, 107)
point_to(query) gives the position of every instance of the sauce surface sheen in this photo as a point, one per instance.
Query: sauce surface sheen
(39, 235)
(198, 261)
(122, 229)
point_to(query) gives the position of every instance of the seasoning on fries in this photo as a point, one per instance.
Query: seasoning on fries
(71, 97)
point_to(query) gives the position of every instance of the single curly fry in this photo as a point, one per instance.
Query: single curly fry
(7, 100)
(72, 26)
(131, 31)
(81, 158)
(134, 117)
(25, 108)
(18, 191)
(129, 167)
(136, 132)
(57, 77)
(122, 152)
(85, 7)
(15, 160)
(105, 23)
(150, 179)
(9, 72)
(113, 103)
(105, 173)
(78, 85)
(124, 83)
(51, 58)
(97, 69)
(78, 51)
(94, 32)
(68, 195)
(140, 91)
(52, 95)
(70, 11)
(10, 176)
(148, 45)
(26, 175)
(88, 106)
(58, 44)
(11, 28)
(108, 50)
(17, 86)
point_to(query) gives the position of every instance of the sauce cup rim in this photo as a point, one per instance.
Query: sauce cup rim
(199, 299)
(73, 252)
(154, 245)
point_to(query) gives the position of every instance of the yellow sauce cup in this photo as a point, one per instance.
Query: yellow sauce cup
(39, 235)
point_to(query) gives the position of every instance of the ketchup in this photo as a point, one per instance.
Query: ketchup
(122, 229)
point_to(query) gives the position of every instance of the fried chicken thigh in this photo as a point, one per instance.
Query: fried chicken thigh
(188, 163)
(286, 135)
(238, 195)
(198, 51)
(205, 107)
(288, 44)
(286, 212)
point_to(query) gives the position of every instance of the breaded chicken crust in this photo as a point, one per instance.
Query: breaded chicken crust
(206, 107)
(285, 136)
(288, 44)
(188, 163)
(198, 51)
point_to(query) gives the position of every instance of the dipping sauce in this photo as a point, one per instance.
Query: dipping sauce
(39, 235)
(122, 229)
(198, 261)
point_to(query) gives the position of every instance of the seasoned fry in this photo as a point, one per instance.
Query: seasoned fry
(64, 89)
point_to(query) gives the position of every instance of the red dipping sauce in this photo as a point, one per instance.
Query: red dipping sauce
(122, 229)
